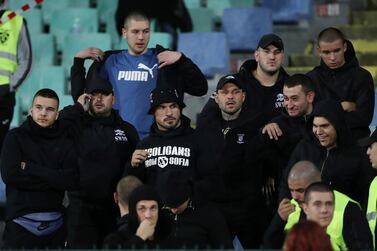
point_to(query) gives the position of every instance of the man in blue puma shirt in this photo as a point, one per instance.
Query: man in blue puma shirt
(133, 72)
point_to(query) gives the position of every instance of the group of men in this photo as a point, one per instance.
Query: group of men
(263, 132)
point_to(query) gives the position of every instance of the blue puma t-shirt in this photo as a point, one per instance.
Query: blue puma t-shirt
(133, 78)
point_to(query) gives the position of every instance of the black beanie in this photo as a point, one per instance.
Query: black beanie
(160, 96)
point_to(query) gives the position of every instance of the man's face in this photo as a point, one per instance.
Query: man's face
(320, 208)
(147, 210)
(372, 153)
(44, 111)
(101, 104)
(332, 53)
(296, 101)
(324, 132)
(137, 35)
(230, 98)
(297, 189)
(269, 59)
(167, 116)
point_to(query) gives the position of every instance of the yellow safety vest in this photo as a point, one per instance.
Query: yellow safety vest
(372, 208)
(335, 229)
(9, 34)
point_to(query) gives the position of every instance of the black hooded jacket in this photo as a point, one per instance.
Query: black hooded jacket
(345, 167)
(51, 168)
(259, 99)
(170, 150)
(350, 83)
(104, 147)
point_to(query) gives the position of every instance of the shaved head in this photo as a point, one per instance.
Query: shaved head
(304, 171)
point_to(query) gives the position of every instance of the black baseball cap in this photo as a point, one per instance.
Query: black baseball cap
(367, 141)
(269, 39)
(160, 96)
(230, 78)
(98, 84)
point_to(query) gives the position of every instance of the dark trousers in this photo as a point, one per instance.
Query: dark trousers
(89, 223)
(17, 237)
(6, 114)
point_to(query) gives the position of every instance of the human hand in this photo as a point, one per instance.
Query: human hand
(273, 130)
(168, 58)
(92, 52)
(84, 100)
(348, 106)
(138, 157)
(146, 229)
(285, 209)
(23, 165)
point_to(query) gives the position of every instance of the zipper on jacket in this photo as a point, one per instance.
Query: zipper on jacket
(225, 131)
(324, 162)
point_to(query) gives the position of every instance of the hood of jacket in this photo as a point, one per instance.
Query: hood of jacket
(334, 113)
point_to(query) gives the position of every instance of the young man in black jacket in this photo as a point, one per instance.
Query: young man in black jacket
(353, 230)
(340, 77)
(38, 164)
(229, 164)
(170, 145)
(105, 143)
(329, 145)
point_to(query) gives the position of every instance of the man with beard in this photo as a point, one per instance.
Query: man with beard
(105, 143)
(170, 145)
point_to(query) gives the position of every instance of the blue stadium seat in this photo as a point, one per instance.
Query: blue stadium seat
(73, 21)
(49, 6)
(287, 11)
(209, 50)
(203, 19)
(244, 26)
(44, 49)
(34, 21)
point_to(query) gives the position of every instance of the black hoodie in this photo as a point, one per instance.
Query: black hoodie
(345, 167)
(170, 150)
(350, 83)
(267, 100)
(51, 168)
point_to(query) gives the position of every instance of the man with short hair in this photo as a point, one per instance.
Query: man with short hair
(229, 171)
(348, 227)
(340, 77)
(38, 164)
(170, 145)
(133, 72)
(263, 79)
(328, 145)
(105, 143)
(124, 189)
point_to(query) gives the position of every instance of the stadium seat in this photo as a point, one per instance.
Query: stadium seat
(16, 4)
(162, 38)
(364, 45)
(73, 20)
(193, 4)
(44, 49)
(209, 50)
(244, 26)
(34, 21)
(77, 42)
(18, 117)
(203, 19)
(105, 6)
(50, 6)
(287, 11)
(218, 6)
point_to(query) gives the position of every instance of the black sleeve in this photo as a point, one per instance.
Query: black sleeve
(77, 78)
(363, 114)
(195, 83)
(219, 236)
(274, 236)
(10, 166)
(356, 232)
